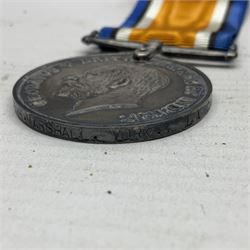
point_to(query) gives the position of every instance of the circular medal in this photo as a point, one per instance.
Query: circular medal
(112, 98)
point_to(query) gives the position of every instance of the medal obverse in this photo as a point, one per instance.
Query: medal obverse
(112, 98)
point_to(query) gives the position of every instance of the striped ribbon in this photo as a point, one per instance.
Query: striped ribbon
(203, 24)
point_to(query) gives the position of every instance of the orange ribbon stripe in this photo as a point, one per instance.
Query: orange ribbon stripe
(177, 23)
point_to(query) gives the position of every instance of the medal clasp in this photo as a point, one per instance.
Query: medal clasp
(190, 55)
(147, 50)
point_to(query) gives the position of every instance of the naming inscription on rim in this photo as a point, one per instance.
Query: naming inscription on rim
(111, 91)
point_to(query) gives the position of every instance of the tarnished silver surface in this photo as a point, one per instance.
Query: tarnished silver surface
(110, 98)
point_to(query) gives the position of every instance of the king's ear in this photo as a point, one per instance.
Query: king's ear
(120, 83)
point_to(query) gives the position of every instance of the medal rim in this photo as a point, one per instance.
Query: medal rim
(174, 116)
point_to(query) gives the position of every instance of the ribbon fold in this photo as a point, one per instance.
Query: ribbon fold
(204, 24)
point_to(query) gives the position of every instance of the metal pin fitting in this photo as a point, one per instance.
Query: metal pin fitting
(147, 50)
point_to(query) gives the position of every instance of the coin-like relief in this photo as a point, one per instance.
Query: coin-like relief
(112, 98)
(110, 87)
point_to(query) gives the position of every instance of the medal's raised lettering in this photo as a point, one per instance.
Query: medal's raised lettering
(112, 98)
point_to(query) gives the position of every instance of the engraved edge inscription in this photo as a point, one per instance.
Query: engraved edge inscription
(108, 135)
